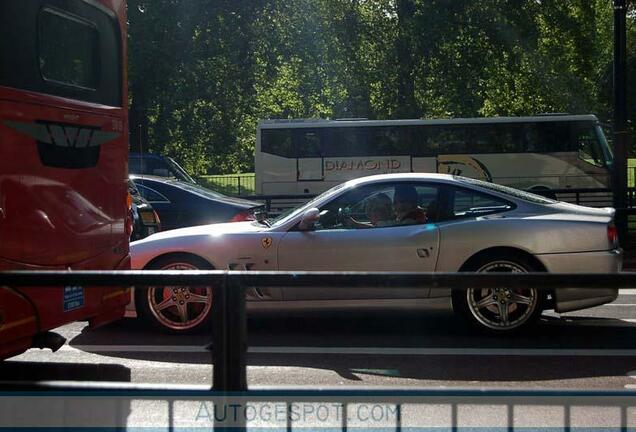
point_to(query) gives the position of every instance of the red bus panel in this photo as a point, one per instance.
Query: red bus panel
(63, 161)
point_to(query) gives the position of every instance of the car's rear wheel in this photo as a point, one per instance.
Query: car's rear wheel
(500, 310)
(177, 309)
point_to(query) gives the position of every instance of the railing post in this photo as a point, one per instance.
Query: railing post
(229, 352)
(239, 185)
(229, 349)
(220, 336)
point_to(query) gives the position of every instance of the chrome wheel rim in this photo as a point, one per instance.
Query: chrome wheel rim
(179, 307)
(502, 308)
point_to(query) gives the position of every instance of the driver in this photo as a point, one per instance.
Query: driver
(405, 205)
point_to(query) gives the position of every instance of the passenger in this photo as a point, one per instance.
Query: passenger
(406, 208)
(380, 210)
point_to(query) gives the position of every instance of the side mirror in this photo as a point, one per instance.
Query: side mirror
(310, 217)
(260, 215)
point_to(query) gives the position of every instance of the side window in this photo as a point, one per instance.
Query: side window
(309, 143)
(351, 142)
(152, 195)
(390, 140)
(553, 137)
(495, 138)
(277, 142)
(381, 206)
(468, 203)
(446, 139)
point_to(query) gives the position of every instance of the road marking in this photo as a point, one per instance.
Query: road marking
(617, 304)
(627, 292)
(387, 351)
(583, 321)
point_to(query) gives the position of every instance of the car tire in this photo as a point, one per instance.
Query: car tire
(176, 309)
(500, 310)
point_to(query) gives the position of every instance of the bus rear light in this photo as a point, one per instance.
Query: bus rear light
(246, 215)
(612, 235)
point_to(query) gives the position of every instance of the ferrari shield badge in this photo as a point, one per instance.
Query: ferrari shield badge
(266, 242)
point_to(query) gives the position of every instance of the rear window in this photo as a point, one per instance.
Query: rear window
(527, 196)
(69, 48)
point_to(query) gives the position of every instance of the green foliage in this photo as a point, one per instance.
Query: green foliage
(203, 72)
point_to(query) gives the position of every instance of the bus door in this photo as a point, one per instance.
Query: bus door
(309, 154)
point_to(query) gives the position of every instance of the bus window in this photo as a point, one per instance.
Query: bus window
(68, 49)
(446, 139)
(351, 142)
(278, 142)
(553, 137)
(495, 138)
(309, 143)
(389, 141)
(72, 50)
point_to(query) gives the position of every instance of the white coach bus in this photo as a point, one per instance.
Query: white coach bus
(535, 153)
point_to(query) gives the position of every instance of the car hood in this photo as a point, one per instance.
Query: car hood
(205, 230)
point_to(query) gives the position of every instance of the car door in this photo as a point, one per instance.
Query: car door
(336, 246)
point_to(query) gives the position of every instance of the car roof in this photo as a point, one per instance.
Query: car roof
(403, 176)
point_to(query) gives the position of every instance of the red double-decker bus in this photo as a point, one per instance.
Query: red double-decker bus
(63, 162)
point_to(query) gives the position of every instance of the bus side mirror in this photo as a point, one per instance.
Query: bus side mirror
(310, 217)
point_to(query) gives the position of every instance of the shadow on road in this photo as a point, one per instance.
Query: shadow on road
(394, 330)
(39, 371)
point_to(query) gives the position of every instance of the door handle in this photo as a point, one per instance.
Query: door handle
(423, 253)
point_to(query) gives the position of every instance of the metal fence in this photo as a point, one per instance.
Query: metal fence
(229, 347)
(239, 185)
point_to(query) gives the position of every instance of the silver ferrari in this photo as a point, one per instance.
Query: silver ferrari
(394, 222)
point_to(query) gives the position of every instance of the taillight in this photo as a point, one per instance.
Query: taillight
(612, 235)
(246, 215)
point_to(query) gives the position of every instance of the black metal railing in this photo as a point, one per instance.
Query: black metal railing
(229, 336)
(239, 184)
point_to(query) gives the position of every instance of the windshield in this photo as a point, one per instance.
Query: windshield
(292, 213)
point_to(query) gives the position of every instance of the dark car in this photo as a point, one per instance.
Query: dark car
(181, 204)
(157, 165)
(145, 220)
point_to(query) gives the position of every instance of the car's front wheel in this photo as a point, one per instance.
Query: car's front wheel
(500, 310)
(176, 309)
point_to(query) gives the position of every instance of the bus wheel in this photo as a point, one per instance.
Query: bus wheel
(500, 310)
(176, 309)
